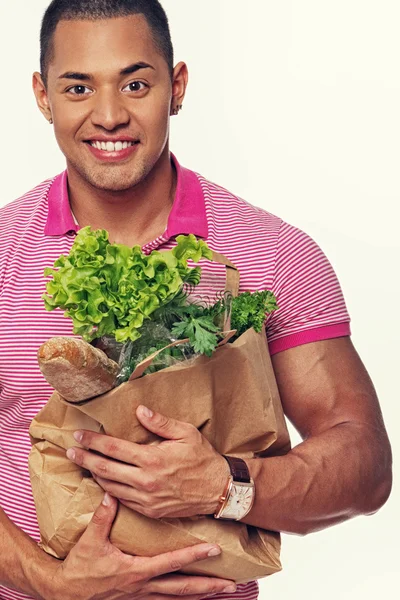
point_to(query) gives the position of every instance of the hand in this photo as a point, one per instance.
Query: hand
(182, 476)
(95, 569)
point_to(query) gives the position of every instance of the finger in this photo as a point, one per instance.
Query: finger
(103, 467)
(122, 450)
(122, 492)
(98, 530)
(192, 587)
(145, 508)
(165, 427)
(169, 562)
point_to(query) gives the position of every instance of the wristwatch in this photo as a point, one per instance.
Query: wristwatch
(238, 496)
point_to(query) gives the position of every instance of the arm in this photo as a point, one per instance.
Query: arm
(22, 563)
(343, 467)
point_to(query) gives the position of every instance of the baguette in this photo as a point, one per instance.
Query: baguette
(75, 369)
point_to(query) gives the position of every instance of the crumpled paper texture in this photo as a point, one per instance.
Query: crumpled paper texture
(231, 397)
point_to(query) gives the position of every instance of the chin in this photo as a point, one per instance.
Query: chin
(108, 184)
(116, 179)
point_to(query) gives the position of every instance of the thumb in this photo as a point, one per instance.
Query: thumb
(169, 429)
(98, 530)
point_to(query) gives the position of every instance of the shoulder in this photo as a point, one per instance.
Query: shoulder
(273, 254)
(231, 216)
(246, 234)
(225, 208)
(22, 213)
(261, 244)
(22, 224)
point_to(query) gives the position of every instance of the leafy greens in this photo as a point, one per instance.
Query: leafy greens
(114, 292)
(249, 310)
(110, 289)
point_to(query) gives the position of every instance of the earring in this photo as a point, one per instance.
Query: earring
(51, 121)
(175, 111)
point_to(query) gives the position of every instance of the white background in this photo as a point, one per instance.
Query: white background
(293, 105)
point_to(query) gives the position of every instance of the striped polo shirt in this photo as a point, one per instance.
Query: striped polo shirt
(38, 227)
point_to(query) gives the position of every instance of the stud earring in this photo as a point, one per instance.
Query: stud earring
(51, 121)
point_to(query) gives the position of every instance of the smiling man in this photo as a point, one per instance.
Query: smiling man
(108, 85)
(111, 112)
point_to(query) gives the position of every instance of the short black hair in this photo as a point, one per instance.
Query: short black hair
(93, 10)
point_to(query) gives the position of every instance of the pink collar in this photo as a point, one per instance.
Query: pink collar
(188, 213)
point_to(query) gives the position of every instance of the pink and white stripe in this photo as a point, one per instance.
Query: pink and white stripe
(269, 253)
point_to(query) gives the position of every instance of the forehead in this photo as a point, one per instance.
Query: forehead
(107, 44)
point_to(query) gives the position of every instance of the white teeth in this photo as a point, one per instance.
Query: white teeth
(111, 147)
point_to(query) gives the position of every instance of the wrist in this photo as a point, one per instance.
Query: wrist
(238, 497)
(40, 574)
(219, 480)
(255, 466)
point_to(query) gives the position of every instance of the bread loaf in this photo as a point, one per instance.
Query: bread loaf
(75, 369)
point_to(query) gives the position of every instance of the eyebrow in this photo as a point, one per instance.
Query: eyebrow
(87, 77)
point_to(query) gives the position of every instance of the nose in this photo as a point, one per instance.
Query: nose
(109, 111)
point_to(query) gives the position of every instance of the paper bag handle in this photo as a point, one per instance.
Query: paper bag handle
(232, 274)
(231, 285)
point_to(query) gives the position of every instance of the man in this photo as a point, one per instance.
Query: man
(109, 87)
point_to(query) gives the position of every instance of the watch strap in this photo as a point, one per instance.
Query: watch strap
(239, 469)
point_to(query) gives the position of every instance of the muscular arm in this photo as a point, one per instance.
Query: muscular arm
(343, 466)
(22, 563)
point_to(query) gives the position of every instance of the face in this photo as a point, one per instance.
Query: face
(110, 95)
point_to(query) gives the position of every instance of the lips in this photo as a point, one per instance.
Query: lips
(109, 150)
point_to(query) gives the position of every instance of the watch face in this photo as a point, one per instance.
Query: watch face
(239, 501)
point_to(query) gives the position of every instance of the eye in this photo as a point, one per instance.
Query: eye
(79, 90)
(135, 86)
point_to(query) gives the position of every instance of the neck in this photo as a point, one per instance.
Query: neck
(132, 217)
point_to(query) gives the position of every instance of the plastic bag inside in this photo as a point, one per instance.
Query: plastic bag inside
(155, 336)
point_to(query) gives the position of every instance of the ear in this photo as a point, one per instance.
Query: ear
(180, 79)
(40, 92)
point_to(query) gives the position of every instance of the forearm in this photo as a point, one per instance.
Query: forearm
(333, 476)
(23, 565)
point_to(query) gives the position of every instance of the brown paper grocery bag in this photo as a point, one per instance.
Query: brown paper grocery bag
(231, 397)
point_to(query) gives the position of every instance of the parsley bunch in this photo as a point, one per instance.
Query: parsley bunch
(249, 310)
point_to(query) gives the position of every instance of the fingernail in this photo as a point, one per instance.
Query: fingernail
(214, 551)
(147, 412)
(78, 435)
(230, 589)
(106, 500)
(71, 454)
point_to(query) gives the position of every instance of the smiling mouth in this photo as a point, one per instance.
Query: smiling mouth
(111, 146)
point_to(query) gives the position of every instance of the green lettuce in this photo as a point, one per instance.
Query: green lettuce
(110, 289)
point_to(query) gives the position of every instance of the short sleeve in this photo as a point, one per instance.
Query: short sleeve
(308, 293)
